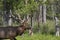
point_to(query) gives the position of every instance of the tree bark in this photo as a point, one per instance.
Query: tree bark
(10, 19)
(44, 13)
(7, 13)
(4, 16)
(40, 11)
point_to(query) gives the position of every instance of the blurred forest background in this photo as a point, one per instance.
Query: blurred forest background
(40, 14)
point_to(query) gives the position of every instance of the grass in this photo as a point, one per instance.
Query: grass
(37, 37)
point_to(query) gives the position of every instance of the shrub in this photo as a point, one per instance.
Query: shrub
(48, 28)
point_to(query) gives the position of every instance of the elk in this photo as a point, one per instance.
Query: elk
(10, 32)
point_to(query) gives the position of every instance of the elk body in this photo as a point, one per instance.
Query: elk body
(11, 32)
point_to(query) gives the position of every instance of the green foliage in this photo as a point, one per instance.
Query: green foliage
(37, 37)
(23, 8)
(48, 28)
(35, 28)
(1, 5)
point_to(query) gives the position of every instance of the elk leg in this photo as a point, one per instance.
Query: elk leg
(15, 39)
(1, 39)
(11, 39)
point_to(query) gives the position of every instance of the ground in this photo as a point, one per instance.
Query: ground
(38, 37)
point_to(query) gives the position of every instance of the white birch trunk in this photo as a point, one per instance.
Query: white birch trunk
(44, 13)
(40, 16)
(10, 19)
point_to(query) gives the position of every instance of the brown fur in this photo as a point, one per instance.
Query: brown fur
(11, 32)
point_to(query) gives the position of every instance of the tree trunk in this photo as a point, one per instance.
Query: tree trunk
(31, 30)
(4, 17)
(38, 23)
(44, 13)
(40, 11)
(7, 13)
(57, 26)
(10, 19)
(53, 12)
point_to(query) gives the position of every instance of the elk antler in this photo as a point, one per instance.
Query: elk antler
(19, 19)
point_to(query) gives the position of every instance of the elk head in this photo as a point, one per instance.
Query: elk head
(22, 27)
